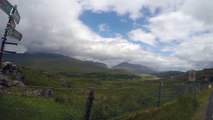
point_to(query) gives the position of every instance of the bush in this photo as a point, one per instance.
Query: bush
(59, 100)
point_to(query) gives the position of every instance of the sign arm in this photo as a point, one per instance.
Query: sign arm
(4, 38)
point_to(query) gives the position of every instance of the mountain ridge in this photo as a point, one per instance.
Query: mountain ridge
(135, 68)
(57, 63)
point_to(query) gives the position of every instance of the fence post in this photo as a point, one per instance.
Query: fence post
(159, 93)
(88, 105)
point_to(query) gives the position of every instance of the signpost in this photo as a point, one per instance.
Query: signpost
(6, 6)
(14, 33)
(14, 18)
(192, 76)
(14, 48)
(12, 23)
(16, 15)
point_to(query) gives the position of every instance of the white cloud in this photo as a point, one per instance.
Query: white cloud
(103, 27)
(142, 36)
(132, 8)
(198, 51)
(200, 9)
(175, 26)
(124, 21)
(55, 27)
(121, 7)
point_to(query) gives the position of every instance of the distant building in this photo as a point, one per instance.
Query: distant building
(192, 75)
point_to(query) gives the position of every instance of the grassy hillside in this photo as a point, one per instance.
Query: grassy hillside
(118, 94)
(67, 66)
(54, 62)
(69, 102)
(114, 98)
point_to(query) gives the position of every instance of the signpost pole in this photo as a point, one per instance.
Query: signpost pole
(4, 38)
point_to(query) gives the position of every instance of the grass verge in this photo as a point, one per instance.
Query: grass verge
(189, 107)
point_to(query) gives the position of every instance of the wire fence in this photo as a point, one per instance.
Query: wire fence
(37, 103)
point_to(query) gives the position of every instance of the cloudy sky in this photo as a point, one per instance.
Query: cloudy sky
(165, 34)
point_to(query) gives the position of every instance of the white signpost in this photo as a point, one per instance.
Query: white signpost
(14, 34)
(14, 18)
(6, 6)
(16, 15)
(192, 76)
(12, 23)
(14, 48)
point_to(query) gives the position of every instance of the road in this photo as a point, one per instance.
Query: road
(209, 112)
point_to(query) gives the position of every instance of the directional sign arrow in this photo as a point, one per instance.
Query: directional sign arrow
(19, 48)
(11, 43)
(16, 15)
(6, 6)
(14, 33)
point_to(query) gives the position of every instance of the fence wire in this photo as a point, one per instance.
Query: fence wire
(69, 104)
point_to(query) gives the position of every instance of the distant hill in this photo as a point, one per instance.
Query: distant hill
(206, 73)
(67, 66)
(169, 74)
(201, 75)
(54, 62)
(135, 68)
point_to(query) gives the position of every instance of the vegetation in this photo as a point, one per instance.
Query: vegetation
(203, 103)
(29, 108)
(119, 95)
(112, 98)
(188, 107)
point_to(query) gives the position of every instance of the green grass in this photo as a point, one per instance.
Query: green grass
(37, 77)
(115, 96)
(188, 107)
(203, 102)
(28, 108)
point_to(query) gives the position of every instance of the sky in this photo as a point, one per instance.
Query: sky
(163, 34)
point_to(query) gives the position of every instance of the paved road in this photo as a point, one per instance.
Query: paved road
(209, 112)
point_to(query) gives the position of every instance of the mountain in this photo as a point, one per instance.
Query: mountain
(68, 66)
(205, 74)
(135, 68)
(201, 75)
(54, 62)
(97, 64)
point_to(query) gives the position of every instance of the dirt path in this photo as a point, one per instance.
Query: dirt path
(209, 112)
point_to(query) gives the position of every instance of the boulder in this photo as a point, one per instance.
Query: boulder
(5, 81)
(12, 69)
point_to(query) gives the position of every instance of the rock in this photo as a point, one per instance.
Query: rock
(18, 83)
(5, 81)
(10, 68)
(7, 67)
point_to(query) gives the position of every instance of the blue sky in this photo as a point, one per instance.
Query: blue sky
(120, 24)
(114, 24)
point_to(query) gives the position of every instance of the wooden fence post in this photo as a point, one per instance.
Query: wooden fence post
(88, 105)
(159, 93)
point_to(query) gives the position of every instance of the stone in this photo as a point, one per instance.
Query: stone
(18, 83)
(10, 68)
